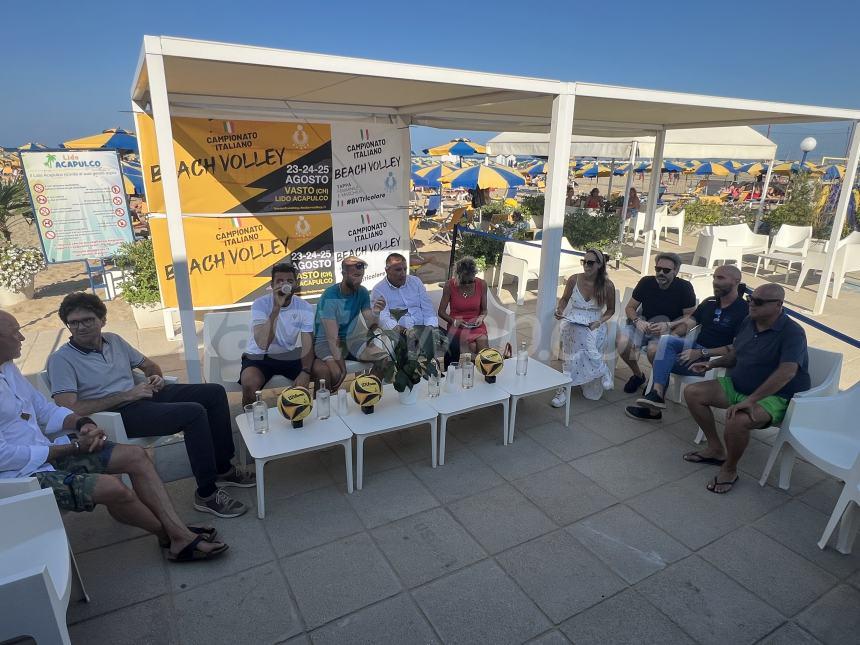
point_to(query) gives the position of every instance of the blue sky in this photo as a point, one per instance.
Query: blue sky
(67, 67)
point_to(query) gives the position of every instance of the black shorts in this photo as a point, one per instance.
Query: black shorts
(270, 367)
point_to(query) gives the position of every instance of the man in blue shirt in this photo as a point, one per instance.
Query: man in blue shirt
(768, 365)
(344, 319)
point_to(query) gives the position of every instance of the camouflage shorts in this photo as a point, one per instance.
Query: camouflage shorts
(75, 477)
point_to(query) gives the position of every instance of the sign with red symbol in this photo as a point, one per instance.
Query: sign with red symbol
(47, 222)
(39, 188)
(115, 190)
(41, 199)
(119, 212)
(122, 223)
(44, 210)
(117, 200)
(50, 235)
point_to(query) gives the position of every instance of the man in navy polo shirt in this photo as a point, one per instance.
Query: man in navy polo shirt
(768, 365)
(93, 373)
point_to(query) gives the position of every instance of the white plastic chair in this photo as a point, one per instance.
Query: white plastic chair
(847, 260)
(523, 262)
(35, 569)
(824, 431)
(789, 245)
(825, 369)
(20, 485)
(728, 243)
(675, 222)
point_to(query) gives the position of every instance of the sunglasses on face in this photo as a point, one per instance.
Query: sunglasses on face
(759, 302)
(665, 270)
(588, 263)
(358, 266)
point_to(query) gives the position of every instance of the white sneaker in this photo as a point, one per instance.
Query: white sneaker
(560, 398)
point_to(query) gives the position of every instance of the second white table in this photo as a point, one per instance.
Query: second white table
(540, 378)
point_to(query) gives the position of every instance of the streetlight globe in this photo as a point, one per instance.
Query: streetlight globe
(808, 144)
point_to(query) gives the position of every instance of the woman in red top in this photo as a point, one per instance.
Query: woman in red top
(594, 199)
(466, 297)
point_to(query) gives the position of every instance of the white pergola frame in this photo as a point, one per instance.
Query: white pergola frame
(177, 76)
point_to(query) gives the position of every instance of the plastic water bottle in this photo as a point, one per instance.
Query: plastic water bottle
(467, 369)
(261, 414)
(342, 404)
(522, 360)
(323, 401)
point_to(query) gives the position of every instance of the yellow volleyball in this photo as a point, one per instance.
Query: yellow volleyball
(295, 403)
(366, 390)
(489, 362)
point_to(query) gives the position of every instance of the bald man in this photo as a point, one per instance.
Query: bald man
(768, 365)
(719, 318)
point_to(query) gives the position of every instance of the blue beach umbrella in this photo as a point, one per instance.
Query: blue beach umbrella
(133, 174)
(112, 139)
(484, 177)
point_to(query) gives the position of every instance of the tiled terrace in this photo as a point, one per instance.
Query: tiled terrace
(597, 533)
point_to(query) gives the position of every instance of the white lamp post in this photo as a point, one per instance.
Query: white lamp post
(807, 145)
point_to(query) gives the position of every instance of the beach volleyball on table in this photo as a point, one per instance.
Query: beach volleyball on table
(489, 362)
(295, 403)
(366, 391)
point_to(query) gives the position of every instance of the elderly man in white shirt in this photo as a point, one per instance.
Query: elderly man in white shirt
(407, 308)
(78, 466)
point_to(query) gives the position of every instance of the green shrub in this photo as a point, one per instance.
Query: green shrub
(531, 206)
(591, 231)
(486, 252)
(495, 208)
(141, 285)
(703, 214)
(802, 206)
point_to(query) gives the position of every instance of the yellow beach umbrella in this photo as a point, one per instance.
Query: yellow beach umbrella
(483, 176)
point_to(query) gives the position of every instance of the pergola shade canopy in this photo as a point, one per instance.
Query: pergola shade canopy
(217, 76)
(736, 142)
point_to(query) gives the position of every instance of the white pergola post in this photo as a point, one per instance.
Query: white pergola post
(553, 220)
(627, 185)
(764, 188)
(839, 218)
(653, 196)
(172, 205)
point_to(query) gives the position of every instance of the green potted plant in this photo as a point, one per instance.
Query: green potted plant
(18, 268)
(406, 368)
(140, 282)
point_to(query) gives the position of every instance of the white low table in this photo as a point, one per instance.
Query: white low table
(540, 378)
(388, 415)
(482, 395)
(282, 440)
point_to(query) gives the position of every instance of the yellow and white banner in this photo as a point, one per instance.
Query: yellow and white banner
(230, 258)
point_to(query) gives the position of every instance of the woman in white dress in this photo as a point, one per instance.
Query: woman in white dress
(587, 303)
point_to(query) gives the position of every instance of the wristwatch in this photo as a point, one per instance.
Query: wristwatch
(705, 352)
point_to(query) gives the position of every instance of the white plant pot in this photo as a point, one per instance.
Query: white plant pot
(409, 396)
(9, 297)
(148, 316)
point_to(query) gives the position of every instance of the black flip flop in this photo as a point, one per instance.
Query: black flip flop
(207, 532)
(699, 459)
(192, 554)
(712, 486)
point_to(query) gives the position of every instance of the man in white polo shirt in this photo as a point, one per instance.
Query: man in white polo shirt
(406, 306)
(281, 340)
(93, 373)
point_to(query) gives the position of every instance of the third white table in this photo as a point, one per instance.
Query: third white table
(540, 378)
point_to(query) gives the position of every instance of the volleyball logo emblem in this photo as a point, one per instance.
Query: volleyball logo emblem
(295, 403)
(366, 391)
(489, 362)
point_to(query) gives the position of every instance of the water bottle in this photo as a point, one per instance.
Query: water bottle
(342, 403)
(261, 414)
(522, 360)
(467, 369)
(323, 401)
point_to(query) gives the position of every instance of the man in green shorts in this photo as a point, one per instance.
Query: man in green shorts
(79, 463)
(768, 365)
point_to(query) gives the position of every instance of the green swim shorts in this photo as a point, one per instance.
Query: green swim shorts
(75, 477)
(774, 405)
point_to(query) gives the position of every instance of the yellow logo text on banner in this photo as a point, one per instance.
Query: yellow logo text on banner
(230, 259)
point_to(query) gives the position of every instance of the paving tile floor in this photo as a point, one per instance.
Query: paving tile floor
(597, 533)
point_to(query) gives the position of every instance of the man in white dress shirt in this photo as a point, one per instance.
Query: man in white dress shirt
(78, 465)
(407, 308)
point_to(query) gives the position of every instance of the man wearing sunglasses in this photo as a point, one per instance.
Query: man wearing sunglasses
(344, 319)
(664, 298)
(768, 365)
(719, 318)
